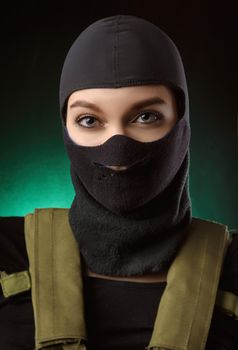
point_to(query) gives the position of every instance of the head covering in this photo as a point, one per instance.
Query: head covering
(131, 222)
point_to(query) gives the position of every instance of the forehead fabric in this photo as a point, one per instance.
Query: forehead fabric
(119, 51)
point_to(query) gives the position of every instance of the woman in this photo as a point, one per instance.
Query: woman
(127, 266)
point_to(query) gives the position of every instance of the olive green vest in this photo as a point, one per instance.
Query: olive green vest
(186, 307)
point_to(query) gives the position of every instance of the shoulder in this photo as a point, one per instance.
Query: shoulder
(229, 276)
(13, 254)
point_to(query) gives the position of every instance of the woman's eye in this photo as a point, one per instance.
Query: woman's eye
(149, 117)
(89, 121)
(86, 122)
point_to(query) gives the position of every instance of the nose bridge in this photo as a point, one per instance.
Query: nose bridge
(116, 128)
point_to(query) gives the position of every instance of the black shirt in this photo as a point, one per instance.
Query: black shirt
(119, 315)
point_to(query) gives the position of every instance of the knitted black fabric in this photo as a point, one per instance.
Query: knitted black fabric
(146, 240)
(133, 222)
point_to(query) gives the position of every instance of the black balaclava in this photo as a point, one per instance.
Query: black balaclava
(134, 221)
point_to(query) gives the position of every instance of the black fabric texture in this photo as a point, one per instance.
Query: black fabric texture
(117, 305)
(133, 222)
(135, 243)
(121, 193)
(108, 304)
(119, 51)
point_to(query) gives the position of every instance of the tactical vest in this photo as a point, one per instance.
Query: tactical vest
(186, 307)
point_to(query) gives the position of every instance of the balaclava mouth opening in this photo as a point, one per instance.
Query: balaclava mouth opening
(131, 222)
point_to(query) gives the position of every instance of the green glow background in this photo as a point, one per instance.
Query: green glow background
(34, 169)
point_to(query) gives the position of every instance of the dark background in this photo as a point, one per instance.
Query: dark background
(35, 37)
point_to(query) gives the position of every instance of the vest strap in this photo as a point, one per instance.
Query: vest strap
(14, 283)
(186, 307)
(228, 303)
(55, 269)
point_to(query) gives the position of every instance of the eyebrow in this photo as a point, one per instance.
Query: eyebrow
(134, 106)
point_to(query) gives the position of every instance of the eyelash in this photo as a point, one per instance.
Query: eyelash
(159, 117)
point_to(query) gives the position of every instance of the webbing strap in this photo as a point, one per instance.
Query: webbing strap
(56, 279)
(14, 283)
(186, 307)
(228, 303)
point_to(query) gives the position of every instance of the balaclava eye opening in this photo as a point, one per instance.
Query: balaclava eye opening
(178, 93)
(131, 222)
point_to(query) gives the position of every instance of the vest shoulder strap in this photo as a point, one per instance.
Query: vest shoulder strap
(56, 280)
(187, 304)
